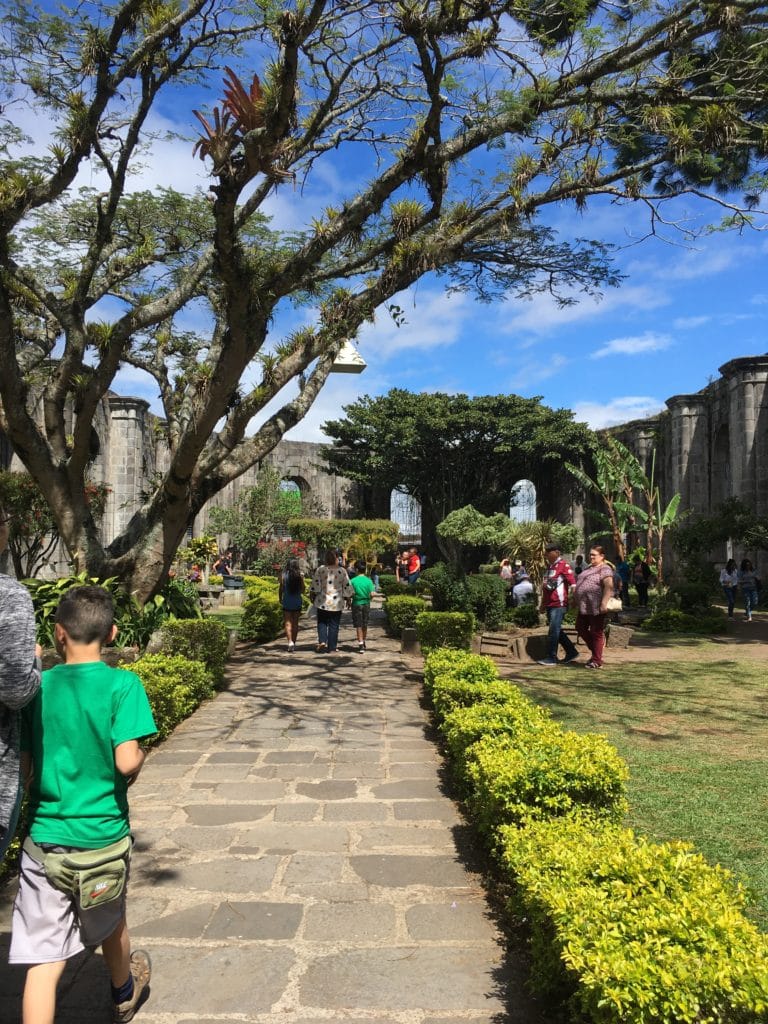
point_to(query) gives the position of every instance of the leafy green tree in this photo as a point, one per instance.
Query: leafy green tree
(32, 530)
(640, 102)
(631, 498)
(257, 514)
(451, 451)
(696, 538)
(466, 527)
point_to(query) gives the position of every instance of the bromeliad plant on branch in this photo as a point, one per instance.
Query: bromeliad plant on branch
(451, 168)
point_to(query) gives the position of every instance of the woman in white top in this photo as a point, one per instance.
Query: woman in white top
(329, 592)
(729, 581)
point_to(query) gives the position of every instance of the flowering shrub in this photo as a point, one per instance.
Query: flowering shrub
(272, 556)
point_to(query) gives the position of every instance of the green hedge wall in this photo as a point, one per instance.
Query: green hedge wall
(401, 611)
(445, 629)
(623, 930)
(203, 640)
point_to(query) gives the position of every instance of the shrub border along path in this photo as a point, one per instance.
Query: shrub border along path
(625, 929)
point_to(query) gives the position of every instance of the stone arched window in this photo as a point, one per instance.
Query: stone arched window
(406, 512)
(522, 504)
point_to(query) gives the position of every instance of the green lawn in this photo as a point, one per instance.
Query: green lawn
(229, 616)
(694, 733)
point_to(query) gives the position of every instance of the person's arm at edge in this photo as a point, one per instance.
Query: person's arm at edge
(20, 674)
(129, 759)
(607, 585)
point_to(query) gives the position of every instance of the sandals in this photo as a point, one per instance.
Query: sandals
(592, 664)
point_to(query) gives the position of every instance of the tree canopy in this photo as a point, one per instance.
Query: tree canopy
(450, 451)
(451, 124)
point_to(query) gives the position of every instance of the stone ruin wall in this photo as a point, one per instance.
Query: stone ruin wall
(129, 452)
(710, 446)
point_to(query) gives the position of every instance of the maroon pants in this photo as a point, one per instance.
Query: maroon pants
(591, 629)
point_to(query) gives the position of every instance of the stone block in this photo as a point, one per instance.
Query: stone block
(349, 922)
(193, 981)
(401, 978)
(255, 920)
(229, 874)
(397, 870)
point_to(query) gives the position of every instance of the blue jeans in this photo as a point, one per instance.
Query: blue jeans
(328, 628)
(556, 635)
(750, 602)
(730, 597)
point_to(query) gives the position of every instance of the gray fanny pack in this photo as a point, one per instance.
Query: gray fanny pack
(93, 877)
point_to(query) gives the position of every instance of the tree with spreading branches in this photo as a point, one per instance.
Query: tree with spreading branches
(455, 124)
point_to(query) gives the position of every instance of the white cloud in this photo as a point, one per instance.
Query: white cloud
(541, 315)
(533, 373)
(759, 300)
(696, 264)
(618, 410)
(687, 323)
(432, 319)
(632, 346)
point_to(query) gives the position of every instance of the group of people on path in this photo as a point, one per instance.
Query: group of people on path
(593, 588)
(408, 566)
(331, 590)
(746, 578)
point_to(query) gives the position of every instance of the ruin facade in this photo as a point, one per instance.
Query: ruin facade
(710, 446)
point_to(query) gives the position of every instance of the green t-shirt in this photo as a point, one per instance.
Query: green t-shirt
(363, 588)
(71, 728)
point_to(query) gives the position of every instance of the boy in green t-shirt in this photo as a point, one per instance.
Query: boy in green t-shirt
(363, 587)
(80, 753)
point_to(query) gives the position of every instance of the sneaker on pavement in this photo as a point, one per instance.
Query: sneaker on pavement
(547, 661)
(141, 969)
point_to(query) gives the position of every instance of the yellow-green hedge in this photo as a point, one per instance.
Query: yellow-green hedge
(625, 930)
(637, 932)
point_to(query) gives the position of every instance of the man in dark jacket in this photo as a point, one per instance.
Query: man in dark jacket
(558, 580)
(20, 670)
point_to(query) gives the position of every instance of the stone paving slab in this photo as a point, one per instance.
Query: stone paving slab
(298, 862)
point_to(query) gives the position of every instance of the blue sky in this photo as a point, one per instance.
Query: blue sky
(683, 310)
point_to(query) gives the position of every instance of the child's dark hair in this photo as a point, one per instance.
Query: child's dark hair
(87, 614)
(360, 567)
(293, 578)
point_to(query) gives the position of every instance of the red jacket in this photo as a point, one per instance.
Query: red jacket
(558, 579)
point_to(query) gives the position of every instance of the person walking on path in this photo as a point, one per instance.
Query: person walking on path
(80, 753)
(749, 582)
(413, 567)
(329, 591)
(20, 669)
(290, 593)
(593, 589)
(641, 575)
(729, 581)
(558, 579)
(364, 588)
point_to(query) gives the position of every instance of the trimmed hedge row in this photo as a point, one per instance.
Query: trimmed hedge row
(205, 640)
(175, 686)
(401, 611)
(627, 931)
(445, 629)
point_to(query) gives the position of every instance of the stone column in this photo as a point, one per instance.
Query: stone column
(128, 444)
(688, 457)
(746, 381)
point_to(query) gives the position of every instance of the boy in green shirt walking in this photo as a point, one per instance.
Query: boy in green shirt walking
(80, 753)
(363, 587)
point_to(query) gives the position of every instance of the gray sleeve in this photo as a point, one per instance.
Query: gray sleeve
(19, 668)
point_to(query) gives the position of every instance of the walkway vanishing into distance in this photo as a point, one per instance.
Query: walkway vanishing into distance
(297, 860)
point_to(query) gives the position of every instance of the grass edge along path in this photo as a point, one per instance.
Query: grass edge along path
(693, 734)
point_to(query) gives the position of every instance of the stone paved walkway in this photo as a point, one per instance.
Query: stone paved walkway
(297, 861)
